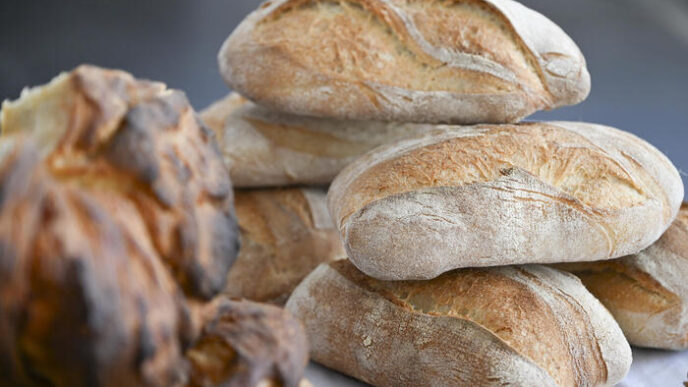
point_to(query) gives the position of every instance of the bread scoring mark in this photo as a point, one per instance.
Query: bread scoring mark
(438, 28)
(558, 157)
(360, 41)
(653, 169)
(644, 291)
(594, 216)
(303, 139)
(586, 357)
(620, 286)
(505, 307)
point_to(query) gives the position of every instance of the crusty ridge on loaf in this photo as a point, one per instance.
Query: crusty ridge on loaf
(391, 53)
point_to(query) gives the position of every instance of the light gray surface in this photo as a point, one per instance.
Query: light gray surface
(650, 368)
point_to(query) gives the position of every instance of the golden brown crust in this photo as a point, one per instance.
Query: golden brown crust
(389, 59)
(391, 333)
(618, 284)
(594, 192)
(85, 299)
(246, 344)
(116, 224)
(144, 142)
(365, 27)
(646, 292)
(281, 242)
(560, 158)
(489, 299)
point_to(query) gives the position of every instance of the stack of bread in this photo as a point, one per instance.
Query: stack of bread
(441, 254)
(460, 223)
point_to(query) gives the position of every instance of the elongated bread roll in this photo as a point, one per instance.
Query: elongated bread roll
(521, 325)
(465, 61)
(503, 194)
(266, 148)
(647, 293)
(285, 234)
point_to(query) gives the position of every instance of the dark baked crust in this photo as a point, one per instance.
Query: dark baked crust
(116, 224)
(85, 300)
(245, 343)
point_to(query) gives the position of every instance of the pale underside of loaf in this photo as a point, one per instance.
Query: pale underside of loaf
(285, 234)
(520, 325)
(647, 292)
(502, 194)
(402, 60)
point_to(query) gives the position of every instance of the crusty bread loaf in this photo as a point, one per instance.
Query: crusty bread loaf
(520, 325)
(100, 130)
(465, 61)
(647, 293)
(503, 194)
(285, 234)
(266, 148)
(116, 226)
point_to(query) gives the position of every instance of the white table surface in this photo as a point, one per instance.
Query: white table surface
(650, 368)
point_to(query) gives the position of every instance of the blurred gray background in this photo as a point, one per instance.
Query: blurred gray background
(637, 52)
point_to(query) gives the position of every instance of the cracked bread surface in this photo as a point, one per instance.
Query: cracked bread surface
(523, 325)
(490, 195)
(462, 61)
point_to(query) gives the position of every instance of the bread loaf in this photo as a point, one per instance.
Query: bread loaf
(467, 61)
(105, 130)
(520, 325)
(215, 115)
(266, 148)
(244, 344)
(285, 234)
(503, 194)
(647, 292)
(116, 226)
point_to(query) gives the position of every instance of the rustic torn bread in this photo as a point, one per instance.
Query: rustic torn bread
(244, 343)
(503, 194)
(104, 130)
(647, 292)
(512, 325)
(285, 234)
(463, 61)
(267, 148)
(117, 228)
